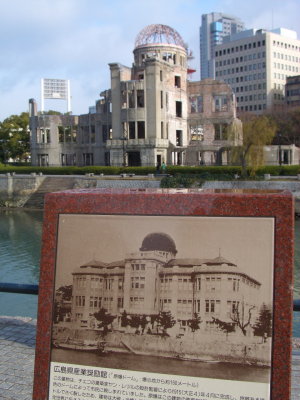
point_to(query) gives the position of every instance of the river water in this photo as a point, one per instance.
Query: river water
(20, 245)
(162, 365)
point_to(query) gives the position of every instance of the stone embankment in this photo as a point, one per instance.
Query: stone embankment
(28, 191)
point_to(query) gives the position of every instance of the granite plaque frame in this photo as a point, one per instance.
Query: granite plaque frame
(167, 289)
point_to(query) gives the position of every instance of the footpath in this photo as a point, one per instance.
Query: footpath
(17, 347)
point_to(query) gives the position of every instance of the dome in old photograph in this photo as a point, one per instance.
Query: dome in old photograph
(159, 34)
(159, 241)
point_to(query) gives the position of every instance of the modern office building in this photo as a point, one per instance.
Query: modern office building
(256, 64)
(214, 27)
(292, 91)
(143, 119)
(152, 279)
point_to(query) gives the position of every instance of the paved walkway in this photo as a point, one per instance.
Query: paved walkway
(17, 340)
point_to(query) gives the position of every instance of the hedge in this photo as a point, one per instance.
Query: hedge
(203, 172)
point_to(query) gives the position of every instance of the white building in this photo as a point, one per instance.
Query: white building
(256, 64)
(214, 27)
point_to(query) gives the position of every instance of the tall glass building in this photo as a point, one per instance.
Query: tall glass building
(213, 28)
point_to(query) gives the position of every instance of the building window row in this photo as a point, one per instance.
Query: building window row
(132, 98)
(196, 104)
(136, 301)
(80, 282)
(280, 76)
(43, 135)
(68, 159)
(239, 48)
(254, 107)
(285, 45)
(80, 301)
(67, 134)
(138, 267)
(134, 130)
(244, 68)
(244, 78)
(96, 282)
(137, 282)
(184, 305)
(285, 57)
(212, 306)
(220, 103)
(165, 283)
(236, 60)
(250, 88)
(254, 97)
(285, 67)
(95, 302)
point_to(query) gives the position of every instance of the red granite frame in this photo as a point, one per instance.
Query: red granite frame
(173, 202)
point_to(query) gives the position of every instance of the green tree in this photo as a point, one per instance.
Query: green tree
(164, 321)
(288, 126)
(52, 112)
(195, 322)
(263, 325)
(226, 327)
(61, 308)
(124, 319)
(14, 138)
(65, 292)
(135, 321)
(241, 316)
(104, 318)
(258, 131)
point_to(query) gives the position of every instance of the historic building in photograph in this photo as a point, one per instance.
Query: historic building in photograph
(146, 117)
(153, 280)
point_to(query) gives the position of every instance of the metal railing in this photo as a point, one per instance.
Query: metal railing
(34, 289)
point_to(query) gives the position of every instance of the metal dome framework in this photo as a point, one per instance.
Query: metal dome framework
(158, 34)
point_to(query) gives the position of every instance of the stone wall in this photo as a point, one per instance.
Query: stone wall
(15, 190)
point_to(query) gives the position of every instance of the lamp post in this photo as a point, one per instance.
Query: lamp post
(279, 148)
(124, 138)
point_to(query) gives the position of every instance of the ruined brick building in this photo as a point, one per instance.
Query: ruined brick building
(151, 114)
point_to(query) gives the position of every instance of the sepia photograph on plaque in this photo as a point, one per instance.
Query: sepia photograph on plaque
(162, 305)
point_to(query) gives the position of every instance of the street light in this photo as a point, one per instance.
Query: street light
(124, 138)
(279, 149)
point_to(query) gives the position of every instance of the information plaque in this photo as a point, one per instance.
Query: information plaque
(165, 294)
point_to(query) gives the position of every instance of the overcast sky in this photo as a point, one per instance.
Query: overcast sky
(76, 39)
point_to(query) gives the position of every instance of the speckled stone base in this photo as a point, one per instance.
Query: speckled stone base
(173, 202)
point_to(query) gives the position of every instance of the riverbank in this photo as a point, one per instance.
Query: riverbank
(17, 346)
(19, 190)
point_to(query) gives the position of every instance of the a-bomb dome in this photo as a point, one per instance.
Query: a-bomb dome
(157, 34)
(159, 241)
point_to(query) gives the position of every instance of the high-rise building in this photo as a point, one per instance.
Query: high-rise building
(215, 26)
(256, 64)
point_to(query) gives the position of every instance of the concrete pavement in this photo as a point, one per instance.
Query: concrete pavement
(17, 344)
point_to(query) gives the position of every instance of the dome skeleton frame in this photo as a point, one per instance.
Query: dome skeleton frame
(158, 33)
